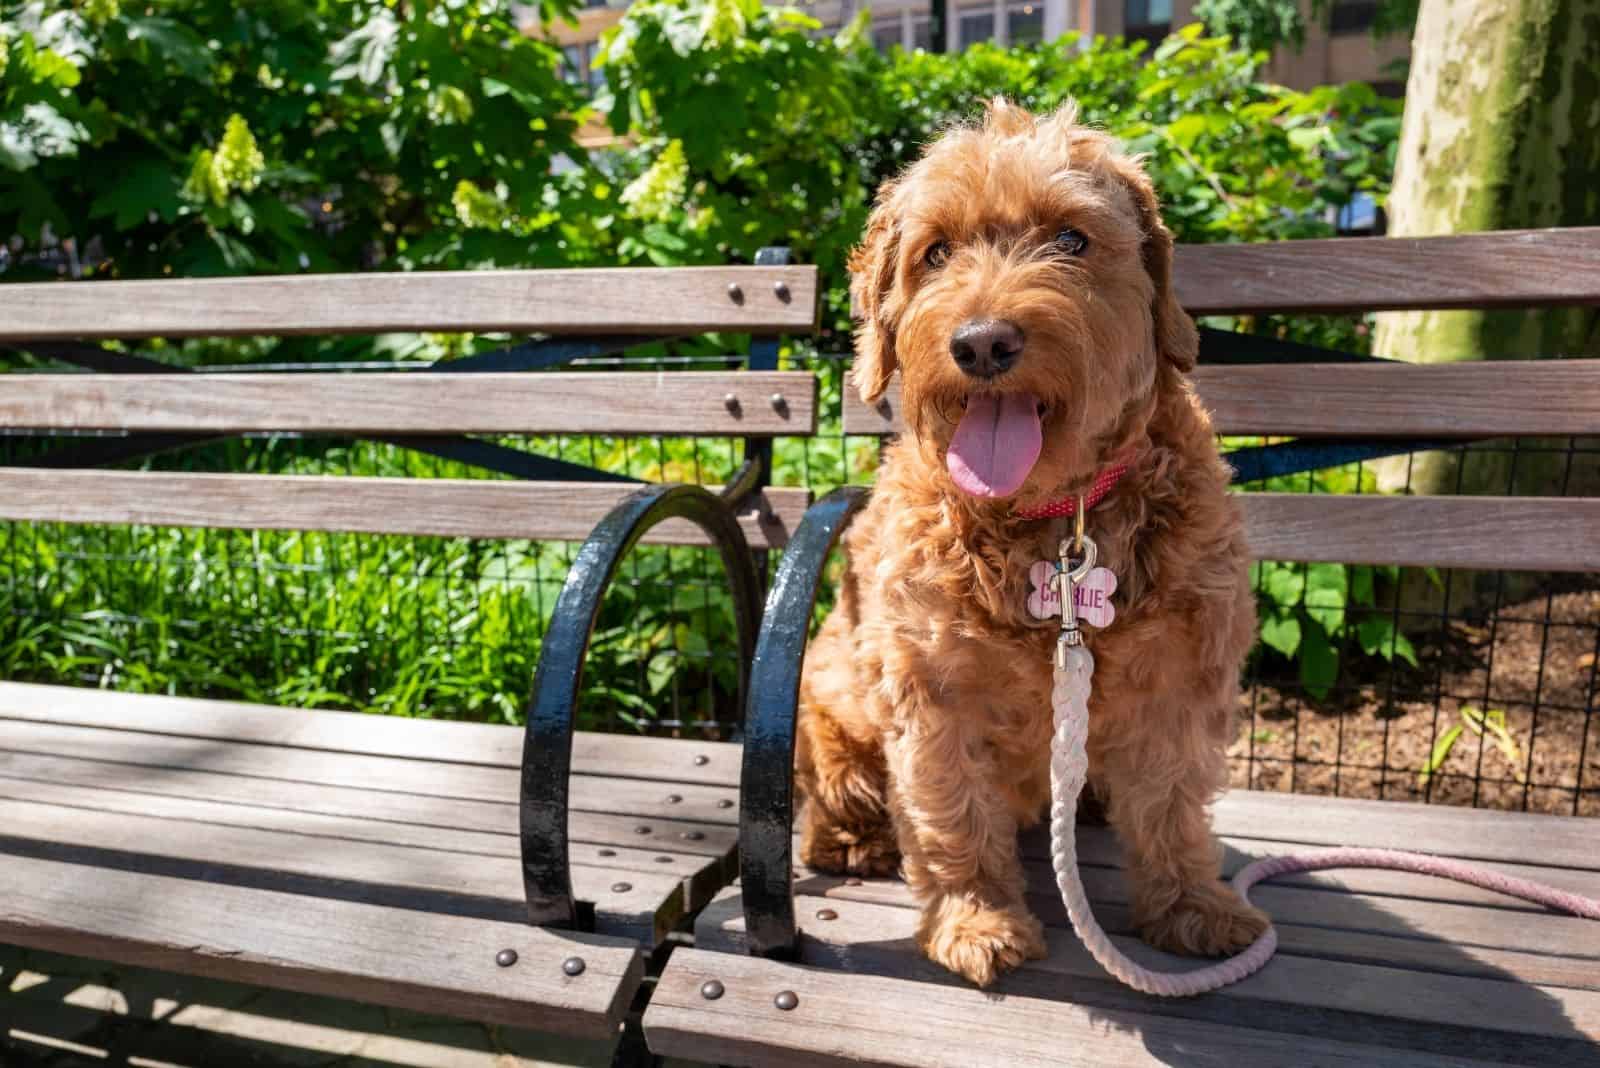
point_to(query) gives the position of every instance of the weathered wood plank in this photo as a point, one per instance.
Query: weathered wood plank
(1476, 533)
(628, 756)
(621, 402)
(1296, 992)
(1475, 834)
(637, 905)
(613, 301)
(1506, 269)
(701, 876)
(401, 957)
(1502, 398)
(844, 1018)
(443, 507)
(591, 833)
(590, 793)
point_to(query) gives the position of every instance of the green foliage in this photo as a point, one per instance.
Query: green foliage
(1490, 724)
(1263, 24)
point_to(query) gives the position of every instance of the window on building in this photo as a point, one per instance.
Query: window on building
(572, 62)
(977, 26)
(922, 34)
(1147, 20)
(1025, 24)
(1352, 16)
(1361, 216)
(885, 35)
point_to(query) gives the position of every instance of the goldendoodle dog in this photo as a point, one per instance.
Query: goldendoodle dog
(1018, 277)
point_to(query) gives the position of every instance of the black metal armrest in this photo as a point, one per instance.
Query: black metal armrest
(547, 742)
(766, 781)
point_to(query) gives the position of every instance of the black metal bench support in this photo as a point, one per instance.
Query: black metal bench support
(547, 742)
(766, 781)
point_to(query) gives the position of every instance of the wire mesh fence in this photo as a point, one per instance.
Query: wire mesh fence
(1378, 682)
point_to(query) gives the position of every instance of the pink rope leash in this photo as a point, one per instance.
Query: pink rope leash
(1069, 765)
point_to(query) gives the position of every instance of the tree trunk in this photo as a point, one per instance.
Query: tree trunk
(1501, 131)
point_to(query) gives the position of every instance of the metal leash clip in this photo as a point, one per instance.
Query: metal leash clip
(1076, 560)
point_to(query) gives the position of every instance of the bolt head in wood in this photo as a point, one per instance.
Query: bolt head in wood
(506, 958)
(735, 293)
(779, 402)
(786, 1000)
(608, 852)
(780, 289)
(711, 989)
(663, 860)
(701, 761)
(731, 403)
(673, 799)
(573, 965)
(643, 828)
(827, 914)
(692, 836)
(853, 881)
(621, 888)
(725, 803)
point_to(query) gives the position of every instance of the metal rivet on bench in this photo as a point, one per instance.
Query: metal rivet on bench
(735, 293)
(786, 1000)
(621, 888)
(852, 881)
(573, 965)
(663, 860)
(731, 402)
(692, 836)
(701, 761)
(608, 852)
(506, 958)
(781, 289)
(827, 914)
(643, 828)
(725, 803)
(711, 989)
(780, 403)
(673, 799)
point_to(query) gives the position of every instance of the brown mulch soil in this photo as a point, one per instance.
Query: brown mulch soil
(1372, 736)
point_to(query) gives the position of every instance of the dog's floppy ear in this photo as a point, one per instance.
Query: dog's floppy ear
(1176, 337)
(872, 271)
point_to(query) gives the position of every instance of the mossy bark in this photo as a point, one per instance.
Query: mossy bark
(1501, 132)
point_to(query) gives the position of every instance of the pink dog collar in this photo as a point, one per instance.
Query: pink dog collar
(1104, 482)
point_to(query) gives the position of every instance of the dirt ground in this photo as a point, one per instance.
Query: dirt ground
(1372, 736)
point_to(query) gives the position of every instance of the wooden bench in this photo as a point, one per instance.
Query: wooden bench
(796, 967)
(441, 866)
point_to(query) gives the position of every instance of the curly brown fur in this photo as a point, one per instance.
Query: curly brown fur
(925, 702)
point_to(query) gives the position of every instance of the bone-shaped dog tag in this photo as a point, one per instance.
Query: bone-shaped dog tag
(1091, 595)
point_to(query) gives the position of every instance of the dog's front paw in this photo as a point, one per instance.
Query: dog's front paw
(1207, 920)
(979, 943)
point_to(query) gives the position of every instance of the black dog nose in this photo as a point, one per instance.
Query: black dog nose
(985, 347)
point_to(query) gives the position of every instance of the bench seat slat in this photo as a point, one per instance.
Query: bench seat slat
(606, 402)
(637, 905)
(1502, 269)
(1480, 399)
(405, 958)
(856, 1019)
(632, 797)
(675, 300)
(495, 745)
(466, 508)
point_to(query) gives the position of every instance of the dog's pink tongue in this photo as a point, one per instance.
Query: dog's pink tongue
(996, 444)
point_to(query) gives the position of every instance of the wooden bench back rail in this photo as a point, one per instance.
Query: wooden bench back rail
(647, 301)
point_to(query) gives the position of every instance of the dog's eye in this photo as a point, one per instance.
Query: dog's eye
(1072, 242)
(938, 253)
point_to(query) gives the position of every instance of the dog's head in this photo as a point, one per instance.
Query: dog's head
(1019, 278)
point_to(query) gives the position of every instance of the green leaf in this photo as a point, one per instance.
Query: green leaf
(1441, 752)
(148, 187)
(1281, 632)
(174, 42)
(364, 53)
(1319, 662)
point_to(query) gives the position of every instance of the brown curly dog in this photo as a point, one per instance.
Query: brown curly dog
(1018, 277)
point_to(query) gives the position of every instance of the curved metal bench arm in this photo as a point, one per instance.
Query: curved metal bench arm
(766, 781)
(547, 741)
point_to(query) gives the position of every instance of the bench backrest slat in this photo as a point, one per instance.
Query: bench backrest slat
(623, 402)
(677, 300)
(467, 508)
(1503, 269)
(1504, 398)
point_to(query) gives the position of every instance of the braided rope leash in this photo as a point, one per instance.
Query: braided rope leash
(1069, 765)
